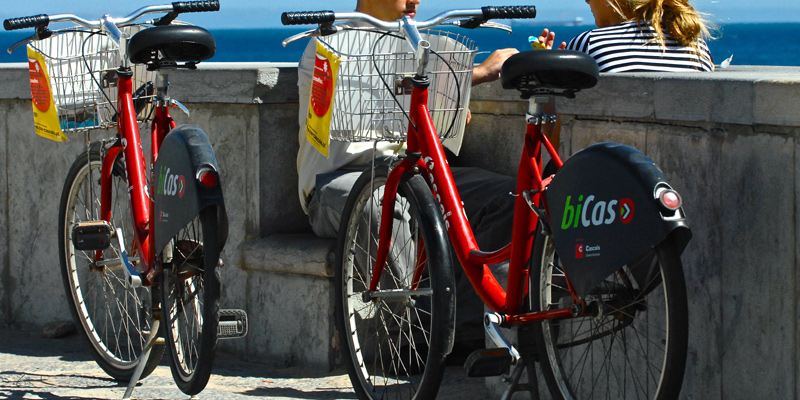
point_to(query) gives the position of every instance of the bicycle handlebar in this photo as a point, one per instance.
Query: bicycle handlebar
(195, 6)
(484, 13)
(176, 7)
(26, 22)
(307, 17)
(508, 12)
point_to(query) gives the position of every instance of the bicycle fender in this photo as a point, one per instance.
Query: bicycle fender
(604, 213)
(177, 196)
(437, 246)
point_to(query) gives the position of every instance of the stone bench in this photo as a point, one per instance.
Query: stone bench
(291, 306)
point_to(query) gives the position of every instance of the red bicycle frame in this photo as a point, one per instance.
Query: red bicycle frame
(136, 168)
(423, 139)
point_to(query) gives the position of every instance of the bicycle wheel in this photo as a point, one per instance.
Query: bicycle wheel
(190, 290)
(114, 318)
(631, 346)
(395, 340)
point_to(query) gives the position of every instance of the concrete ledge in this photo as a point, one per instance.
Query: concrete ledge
(297, 254)
(236, 83)
(231, 83)
(738, 95)
(15, 81)
(743, 95)
(291, 301)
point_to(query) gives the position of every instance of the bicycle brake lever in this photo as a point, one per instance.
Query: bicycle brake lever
(472, 24)
(180, 105)
(14, 46)
(314, 33)
(41, 33)
(496, 25)
(301, 35)
(27, 40)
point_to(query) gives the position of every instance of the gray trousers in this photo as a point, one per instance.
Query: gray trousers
(489, 208)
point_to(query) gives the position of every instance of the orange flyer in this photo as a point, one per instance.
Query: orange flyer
(45, 115)
(320, 102)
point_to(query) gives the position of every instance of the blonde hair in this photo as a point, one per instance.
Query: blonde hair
(676, 17)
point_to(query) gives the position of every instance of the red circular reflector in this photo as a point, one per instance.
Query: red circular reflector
(670, 199)
(208, 179)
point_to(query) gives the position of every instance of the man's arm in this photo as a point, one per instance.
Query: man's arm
(489, 69)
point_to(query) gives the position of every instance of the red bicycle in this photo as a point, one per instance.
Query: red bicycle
(595, 283)
(126, 229)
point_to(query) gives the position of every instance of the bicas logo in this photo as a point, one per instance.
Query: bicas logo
(589, 211)
(170, 184)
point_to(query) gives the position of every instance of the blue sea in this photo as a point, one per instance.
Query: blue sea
(750, 44)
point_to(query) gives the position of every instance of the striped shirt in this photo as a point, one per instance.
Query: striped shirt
(631, 47)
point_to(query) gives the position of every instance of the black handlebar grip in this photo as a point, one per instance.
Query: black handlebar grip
(307, 17)
(26, 22)
(195, 6)
(507, 12)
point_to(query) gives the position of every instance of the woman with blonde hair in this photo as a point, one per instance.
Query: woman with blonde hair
(645, 36)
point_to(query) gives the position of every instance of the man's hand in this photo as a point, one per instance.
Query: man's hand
(489, 69)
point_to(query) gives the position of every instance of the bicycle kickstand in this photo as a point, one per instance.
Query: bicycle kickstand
(514, 384)
(151, 340)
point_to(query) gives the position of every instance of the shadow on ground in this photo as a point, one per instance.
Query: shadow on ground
(28, 379)
(270, 392)
(30, 343)
(26, 394)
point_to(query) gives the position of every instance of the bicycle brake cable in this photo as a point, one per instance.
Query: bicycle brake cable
(91, 73)
(380, 76)
(391, 92)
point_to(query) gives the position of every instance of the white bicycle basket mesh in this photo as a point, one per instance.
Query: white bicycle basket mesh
(82, 67)
(376, 68)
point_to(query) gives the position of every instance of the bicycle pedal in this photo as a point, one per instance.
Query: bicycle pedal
(488, 362)
(92, 235)
(232, 324)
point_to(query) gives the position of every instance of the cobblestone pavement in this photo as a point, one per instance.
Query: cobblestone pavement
(32, 367)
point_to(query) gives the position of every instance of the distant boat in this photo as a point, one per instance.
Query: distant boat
(578, 21)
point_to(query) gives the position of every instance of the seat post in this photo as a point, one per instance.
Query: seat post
(536, 114)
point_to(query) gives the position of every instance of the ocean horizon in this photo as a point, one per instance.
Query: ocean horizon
(748, 43)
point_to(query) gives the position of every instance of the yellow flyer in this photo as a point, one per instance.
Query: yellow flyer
(45, 116)
(323, 85)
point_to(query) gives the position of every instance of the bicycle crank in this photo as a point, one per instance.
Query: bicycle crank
(132, 275)
(495, 361)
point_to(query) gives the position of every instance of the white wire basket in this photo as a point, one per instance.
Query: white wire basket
(82, 68)
(373, 91)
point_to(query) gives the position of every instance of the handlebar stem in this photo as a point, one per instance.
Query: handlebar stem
(116, 35)
(111, 29)
(421, 47)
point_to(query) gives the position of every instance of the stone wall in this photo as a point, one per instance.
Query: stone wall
(727, 140)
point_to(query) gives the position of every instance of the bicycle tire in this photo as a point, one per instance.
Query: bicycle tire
(80, 275)
(403, 323)
(629, 297)
(190, 318)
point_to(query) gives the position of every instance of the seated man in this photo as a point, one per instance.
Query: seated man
(325, 183)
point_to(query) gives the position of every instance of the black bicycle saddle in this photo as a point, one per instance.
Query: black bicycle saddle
(174, 43)
(542, 71)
